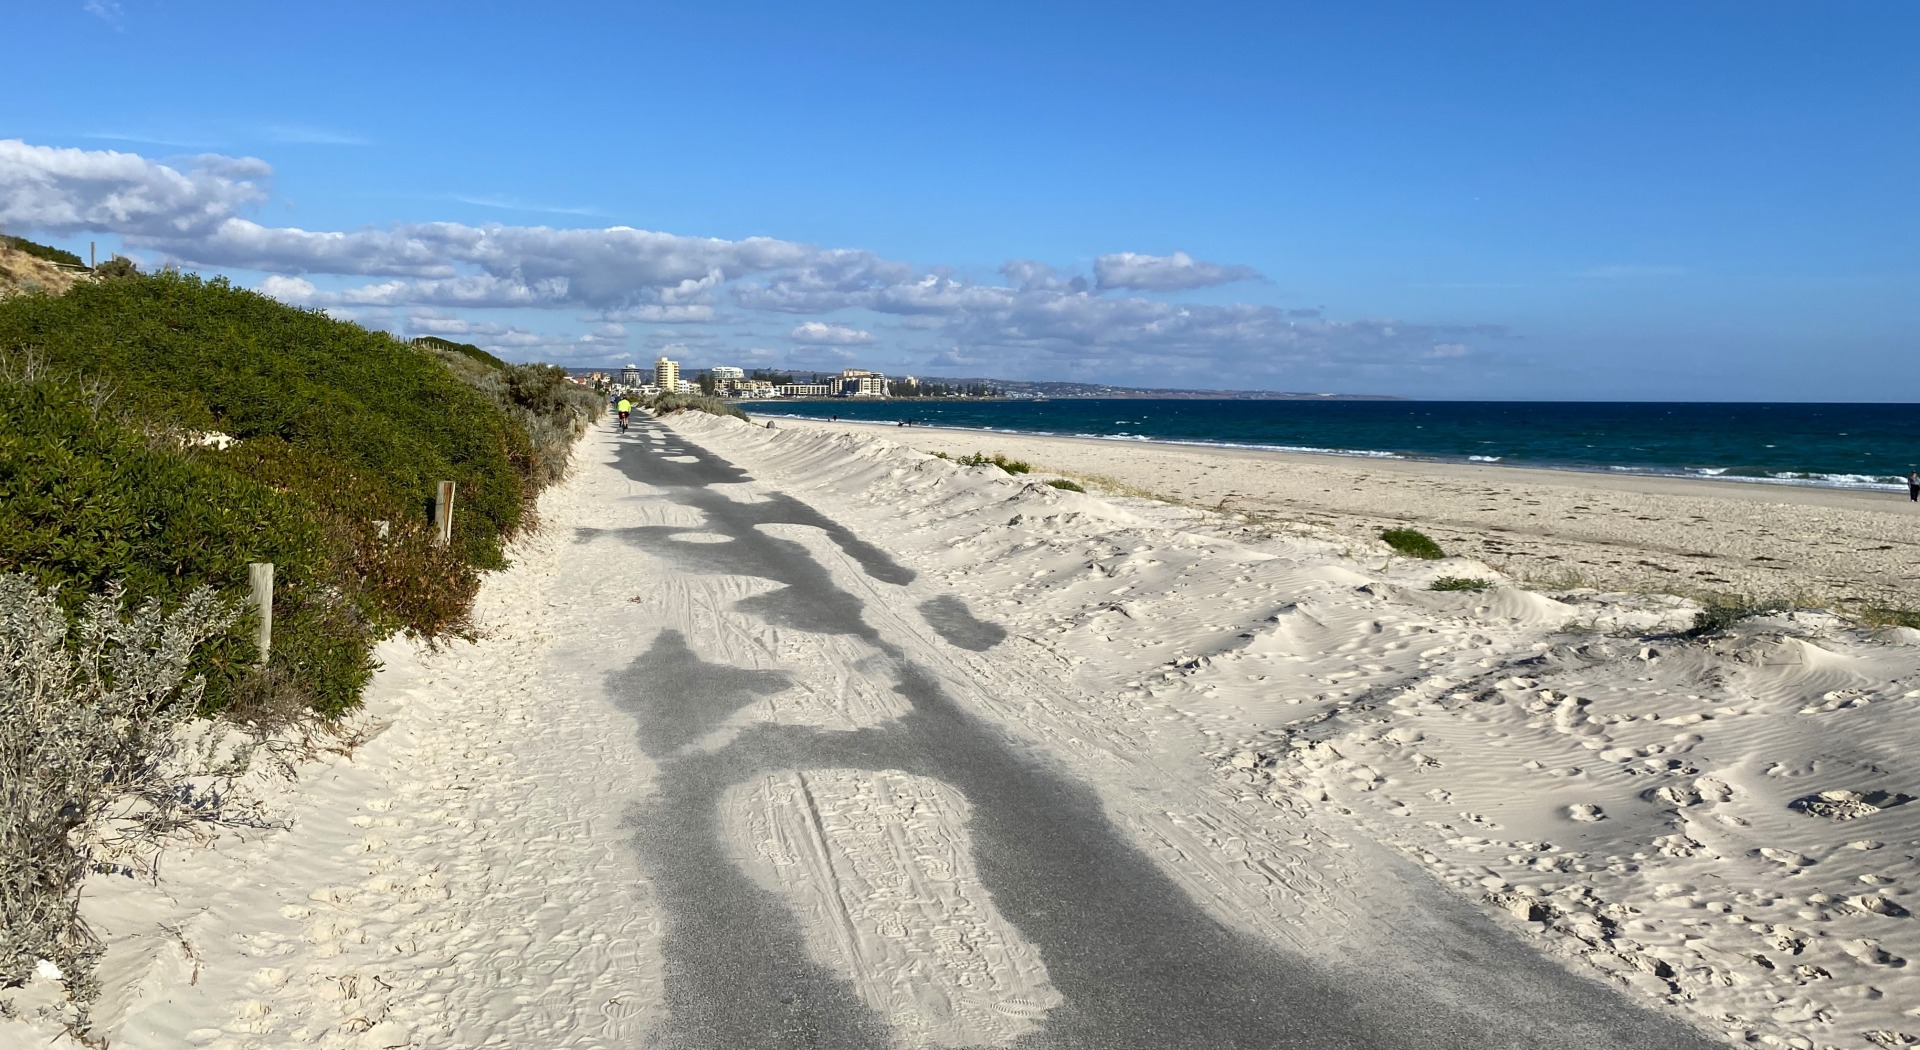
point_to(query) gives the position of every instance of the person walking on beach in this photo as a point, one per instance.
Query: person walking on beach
(1913, 485)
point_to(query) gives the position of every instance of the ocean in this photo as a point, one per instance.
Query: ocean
(1851, 446)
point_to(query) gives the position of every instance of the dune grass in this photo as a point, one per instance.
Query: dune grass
(667, 404)
(1413, 544)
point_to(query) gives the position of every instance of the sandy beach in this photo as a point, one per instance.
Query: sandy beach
(805, 737)
(1763, 542)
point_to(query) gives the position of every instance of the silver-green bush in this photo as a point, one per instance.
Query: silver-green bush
(99, 762)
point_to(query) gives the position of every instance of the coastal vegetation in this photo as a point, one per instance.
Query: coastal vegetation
(667, 404)
(1063, 483)
(158, 433)
(100, 761)
(981, 459)
(1413, 544)
(27, 268)
(1460, 583)
(1886, 616)
(1720, 612)
(42, 251)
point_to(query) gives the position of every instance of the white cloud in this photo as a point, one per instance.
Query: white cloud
(106, 10)
(658, 313)
(830, 280)
(70, 190)
(1030, 276)
(296, 291)
(1036, 322)
(1165, 273)
(822, 334)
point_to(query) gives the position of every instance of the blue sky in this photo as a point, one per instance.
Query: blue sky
(1659, 201)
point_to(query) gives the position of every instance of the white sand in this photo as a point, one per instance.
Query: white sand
(1763, 541)
(1272, 719)
(1625, 802)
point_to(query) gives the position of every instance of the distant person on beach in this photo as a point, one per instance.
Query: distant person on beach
(1913, 485)
(624, 407)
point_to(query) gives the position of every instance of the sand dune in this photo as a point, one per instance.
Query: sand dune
(1614, 532)
(1718, 826)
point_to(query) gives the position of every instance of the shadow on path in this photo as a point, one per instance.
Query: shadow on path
(1138, 961)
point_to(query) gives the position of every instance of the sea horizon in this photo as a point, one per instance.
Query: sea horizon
(1851, 445)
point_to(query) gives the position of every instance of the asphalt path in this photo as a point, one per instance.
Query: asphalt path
(1137, 960)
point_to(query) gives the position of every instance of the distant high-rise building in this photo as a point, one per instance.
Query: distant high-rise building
(726, 372)
(630, 375)
(858, 382)
(666, 374)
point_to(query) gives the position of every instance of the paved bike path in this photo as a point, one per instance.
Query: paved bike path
(1138, 961)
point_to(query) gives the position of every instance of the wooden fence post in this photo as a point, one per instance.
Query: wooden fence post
(260, 580)
(443, 514)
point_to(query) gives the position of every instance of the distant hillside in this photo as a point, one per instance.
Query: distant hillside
(463, 349)
(29, 267)
(42, 251)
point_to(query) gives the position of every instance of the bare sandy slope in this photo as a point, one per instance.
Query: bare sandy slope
(1819, 546)
(22, 273)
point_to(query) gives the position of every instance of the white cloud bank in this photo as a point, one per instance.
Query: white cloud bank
(1039, 322)
(822, 334)
(1165, 273)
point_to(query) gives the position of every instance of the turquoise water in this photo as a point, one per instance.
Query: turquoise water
(1855, 446)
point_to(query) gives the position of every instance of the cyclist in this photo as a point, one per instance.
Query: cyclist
(625, 407)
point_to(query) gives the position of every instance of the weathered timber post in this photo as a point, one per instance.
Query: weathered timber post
(443, 514)
(260, 581)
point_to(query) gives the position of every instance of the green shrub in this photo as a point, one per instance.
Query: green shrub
(1884, 616)
(102, 480)
(42, 251)
(1460, 583)
(667, 404)
(1413, 544)
(468, 350)
(205, 356)
(1720, 613)
(981, 459)
(118, 266)
(1063, 483)
(91, 503)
